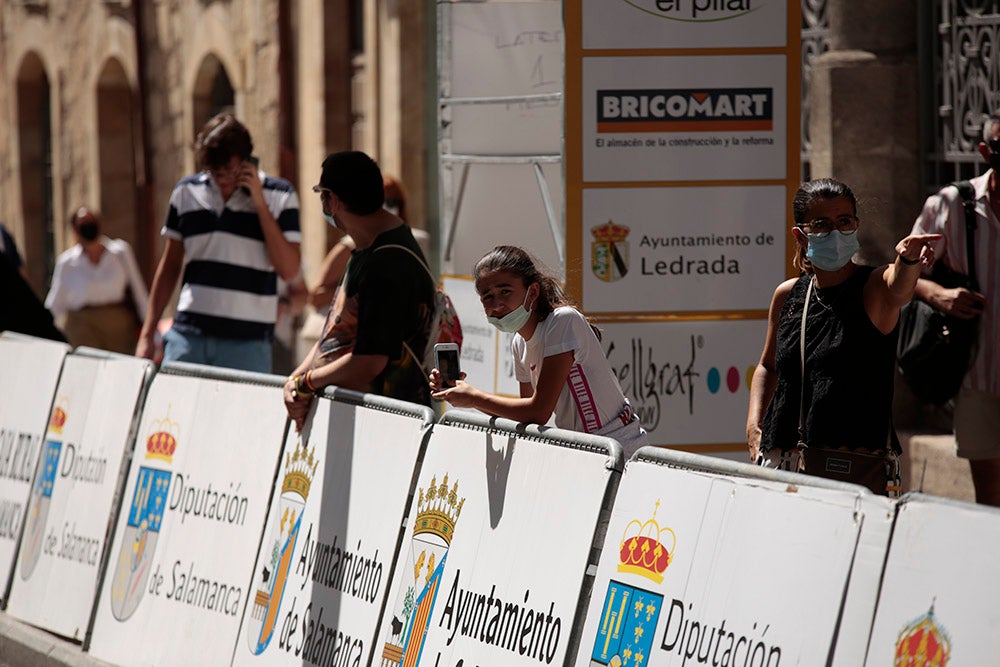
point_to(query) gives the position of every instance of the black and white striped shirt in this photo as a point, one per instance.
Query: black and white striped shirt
(230, 288)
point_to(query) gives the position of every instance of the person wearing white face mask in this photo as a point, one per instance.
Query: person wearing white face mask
(842, 395)
(558, 359)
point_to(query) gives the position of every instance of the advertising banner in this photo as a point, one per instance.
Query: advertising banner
(678, 24)
(682, 249)
(333, 529)
(694, 572)
(500, 115)
(190, 524)
(689, 381)
(497, 544)
(71, 505)
(504, 50)
(31, 368)
(682, 142)
(684, 118)
(942, 579)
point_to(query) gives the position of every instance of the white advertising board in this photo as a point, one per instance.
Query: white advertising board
(500, 117)
(72, 497)
(682, 249)
(942, 580)
(192, 515)
(678, 24)
(684, 118)
(30, 369)
(505, 49)
(689, 382)
(332, 532)
(876, 515)
(498, 539)
(698, 569)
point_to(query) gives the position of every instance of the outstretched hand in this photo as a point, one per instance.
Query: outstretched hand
(918, 248)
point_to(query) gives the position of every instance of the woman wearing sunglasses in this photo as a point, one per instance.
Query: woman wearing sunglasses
(838, 395)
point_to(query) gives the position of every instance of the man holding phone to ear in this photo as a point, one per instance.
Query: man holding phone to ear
(233, 230)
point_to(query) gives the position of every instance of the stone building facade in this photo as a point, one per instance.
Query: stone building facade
(100, 101)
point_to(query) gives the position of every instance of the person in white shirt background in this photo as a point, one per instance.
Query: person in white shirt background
(98, 296)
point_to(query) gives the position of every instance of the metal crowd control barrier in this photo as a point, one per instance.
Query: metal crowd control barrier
(937, 603)
(503, 533)
(192, 512)
(698, 462)
(555, 436)
(334, 525)
(31, 369)
(712, 550)
(78, 484)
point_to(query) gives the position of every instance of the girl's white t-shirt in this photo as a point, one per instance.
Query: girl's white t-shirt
(592, 397)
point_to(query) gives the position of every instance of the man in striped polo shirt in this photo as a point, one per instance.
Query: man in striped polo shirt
(233, 230)
(977, 407)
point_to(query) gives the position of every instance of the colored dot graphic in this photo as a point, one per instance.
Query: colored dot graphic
(714, 379)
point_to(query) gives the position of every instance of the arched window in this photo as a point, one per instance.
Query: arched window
(34, 128)
(212, 92)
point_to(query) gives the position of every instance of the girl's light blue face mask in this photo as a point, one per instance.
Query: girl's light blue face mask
(833, 250)
(512, 321)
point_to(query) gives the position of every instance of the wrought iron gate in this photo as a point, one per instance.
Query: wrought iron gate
(961, 58)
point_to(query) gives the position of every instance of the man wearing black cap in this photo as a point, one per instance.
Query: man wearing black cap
(379, 319)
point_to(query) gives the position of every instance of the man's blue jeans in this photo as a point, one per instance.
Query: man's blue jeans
(241, 354)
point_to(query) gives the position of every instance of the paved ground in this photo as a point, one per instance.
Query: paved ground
(22, 645)
(930, 465)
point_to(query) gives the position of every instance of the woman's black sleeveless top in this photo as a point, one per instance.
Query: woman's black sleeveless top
(849, 372)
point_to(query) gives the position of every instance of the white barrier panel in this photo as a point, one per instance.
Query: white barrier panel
(71, 505)
(701, 569)
(942, 580)
(334, 526)
(499, 535)
(192, 514)
(29, 372)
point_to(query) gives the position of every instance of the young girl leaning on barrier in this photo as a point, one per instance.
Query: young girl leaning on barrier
(558, 359)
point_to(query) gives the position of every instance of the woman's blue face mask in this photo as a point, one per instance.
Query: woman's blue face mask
(832, 250)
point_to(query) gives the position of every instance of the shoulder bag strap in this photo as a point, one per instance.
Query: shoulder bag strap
(968, 193)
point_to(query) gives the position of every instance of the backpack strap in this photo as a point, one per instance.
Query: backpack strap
(968, 194)
(415, 256)
(434, 285)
